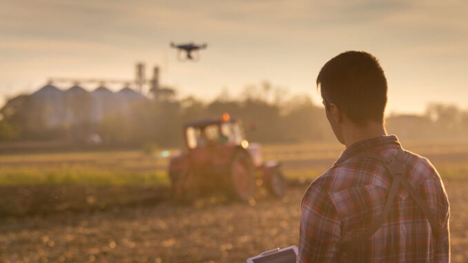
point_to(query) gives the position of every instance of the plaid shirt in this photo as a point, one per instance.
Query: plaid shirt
(345, 200)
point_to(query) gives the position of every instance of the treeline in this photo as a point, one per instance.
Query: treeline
(439, 122)
(268, 113)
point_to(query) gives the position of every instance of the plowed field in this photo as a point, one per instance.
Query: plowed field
(114, 207)
(210, 231)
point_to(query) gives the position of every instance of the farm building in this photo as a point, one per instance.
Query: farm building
(76, 111)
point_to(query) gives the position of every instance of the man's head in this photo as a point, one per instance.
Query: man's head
(354, 85)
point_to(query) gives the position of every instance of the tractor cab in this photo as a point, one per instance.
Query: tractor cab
(215, 132)
(218, 157)
(212, 142)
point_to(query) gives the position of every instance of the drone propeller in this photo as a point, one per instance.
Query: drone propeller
(181, 56)
(195, 56)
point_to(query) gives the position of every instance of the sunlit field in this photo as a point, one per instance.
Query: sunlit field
(116, 207)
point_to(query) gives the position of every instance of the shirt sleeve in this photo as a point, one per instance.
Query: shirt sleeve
(442, 253)
(442, 212)
(320, 228)
(443, 244)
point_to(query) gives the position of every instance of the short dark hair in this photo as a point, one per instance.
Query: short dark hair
(355, 82)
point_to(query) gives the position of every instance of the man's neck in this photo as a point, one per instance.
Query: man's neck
(353, 133)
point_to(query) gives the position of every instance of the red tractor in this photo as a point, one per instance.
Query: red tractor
(219, 158)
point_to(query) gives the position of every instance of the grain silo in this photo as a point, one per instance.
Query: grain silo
(78, 105)
(47, 105)
(103, 102)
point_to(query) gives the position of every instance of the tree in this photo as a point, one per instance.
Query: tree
(13, 116)
(447, 119)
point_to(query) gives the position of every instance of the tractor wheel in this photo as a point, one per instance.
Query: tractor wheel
(186, 188)
(276, 184)
(241, 181)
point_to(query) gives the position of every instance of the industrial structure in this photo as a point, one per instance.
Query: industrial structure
(55, 107)
(80, 111)
(148, 87)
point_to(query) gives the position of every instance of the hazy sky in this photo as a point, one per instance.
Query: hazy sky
(422, 45)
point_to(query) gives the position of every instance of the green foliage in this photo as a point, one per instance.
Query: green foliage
(8, 132)
(305, 175)
(86, 176)
(150, 148)
(269, 115)
(440, 122)
(454, 172)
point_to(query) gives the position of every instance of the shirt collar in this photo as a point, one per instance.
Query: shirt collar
(378, 143)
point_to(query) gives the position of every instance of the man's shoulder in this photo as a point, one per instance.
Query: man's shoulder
(421, 160)
(423, 175)
(349, 172)
(336, 178)
(357, 172)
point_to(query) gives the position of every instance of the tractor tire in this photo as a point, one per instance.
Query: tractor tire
(276, 184)
(241, 177)
(186, 188)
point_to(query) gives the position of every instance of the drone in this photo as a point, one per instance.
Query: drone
(189, 48)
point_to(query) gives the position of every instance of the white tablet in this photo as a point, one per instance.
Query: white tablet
(285, 255)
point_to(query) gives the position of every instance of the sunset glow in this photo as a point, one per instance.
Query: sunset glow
(421, 44)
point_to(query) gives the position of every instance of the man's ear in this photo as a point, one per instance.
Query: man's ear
(336, 114)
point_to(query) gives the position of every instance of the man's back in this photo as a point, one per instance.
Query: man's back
(347, 199)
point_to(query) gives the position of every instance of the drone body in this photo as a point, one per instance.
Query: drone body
(189, 48)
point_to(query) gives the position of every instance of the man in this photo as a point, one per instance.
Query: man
(344, 214)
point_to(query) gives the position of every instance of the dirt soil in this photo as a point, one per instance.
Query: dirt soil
(210, 231)
(45, 200)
